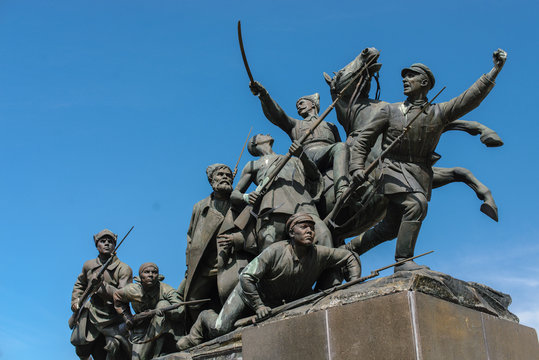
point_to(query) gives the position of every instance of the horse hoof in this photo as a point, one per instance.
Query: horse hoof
(491, 139)
(490, 211)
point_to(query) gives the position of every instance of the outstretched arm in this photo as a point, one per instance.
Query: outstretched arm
(472, 97)
(272, 110)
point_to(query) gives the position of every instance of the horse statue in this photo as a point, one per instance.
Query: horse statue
(353, 110)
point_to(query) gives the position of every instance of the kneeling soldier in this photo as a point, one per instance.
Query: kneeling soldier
(148, 293)
(283, 272)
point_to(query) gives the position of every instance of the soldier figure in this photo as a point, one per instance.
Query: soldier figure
(283, 272)
(149, 293)
(323, 147)
(99, 319)
(293, 190)
(206, 240)
(406, 180)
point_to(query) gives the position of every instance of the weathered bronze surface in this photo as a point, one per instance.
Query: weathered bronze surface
(96, 331)
(250, 252)
(284, 271)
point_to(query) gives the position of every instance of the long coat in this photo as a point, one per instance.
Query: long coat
(99, 312)
(206, 224)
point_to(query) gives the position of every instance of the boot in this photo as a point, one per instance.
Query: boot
(340, 170)
(408, 232)
(195, 336)
(364, 242)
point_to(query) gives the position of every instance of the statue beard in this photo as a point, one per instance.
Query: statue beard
(224, 188)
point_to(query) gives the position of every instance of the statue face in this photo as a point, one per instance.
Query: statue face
(149, 277)
(414, 83)
(304, 106)
(303, 234)
(105, 245)
(222, 180)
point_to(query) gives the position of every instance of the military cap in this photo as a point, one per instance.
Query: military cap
(298, 218)
(314, 98)
(211, 169)
(103, 233)
(420, 69)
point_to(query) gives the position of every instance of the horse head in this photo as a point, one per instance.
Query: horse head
(368, 57)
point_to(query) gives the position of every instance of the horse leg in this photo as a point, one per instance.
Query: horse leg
(488, 137)
(444, 176)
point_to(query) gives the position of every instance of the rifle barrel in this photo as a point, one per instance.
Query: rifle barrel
(346, 195)
(291, 305)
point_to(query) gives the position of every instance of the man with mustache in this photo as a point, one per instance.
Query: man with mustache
(283, 272)
(406, 180)
(207, 240)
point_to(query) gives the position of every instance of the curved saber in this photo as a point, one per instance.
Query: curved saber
(240, 39)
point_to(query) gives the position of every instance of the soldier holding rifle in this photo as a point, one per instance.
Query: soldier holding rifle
(406, 179)
(147, 293)
(284, 272)
(98, 319)
(323, 146)
(293, 190)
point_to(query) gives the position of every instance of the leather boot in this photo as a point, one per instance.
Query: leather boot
(364, 242)
(408, 232)
(195, 336)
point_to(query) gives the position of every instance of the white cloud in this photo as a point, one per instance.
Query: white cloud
(529, 317)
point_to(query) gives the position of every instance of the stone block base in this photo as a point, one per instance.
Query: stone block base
(406, 325)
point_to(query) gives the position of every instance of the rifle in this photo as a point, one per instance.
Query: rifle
(241, 153)
(243, 218)
(150, 313)
(319, 295)
(356, 183)
(93, 286)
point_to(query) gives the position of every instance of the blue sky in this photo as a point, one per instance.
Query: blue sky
(111, 110)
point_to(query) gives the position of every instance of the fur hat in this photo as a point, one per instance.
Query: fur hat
(211, 169)
(314, 98)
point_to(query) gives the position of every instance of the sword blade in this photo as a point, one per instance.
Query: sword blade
(240, 39)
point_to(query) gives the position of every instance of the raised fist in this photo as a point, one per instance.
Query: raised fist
(498, 57)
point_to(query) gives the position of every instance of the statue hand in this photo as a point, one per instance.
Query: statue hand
(263, 312)
(296, 148)
(257, 88)
(253, 197)
(75, 305)
(359, 175)
(129, 323)
(94, 281)
(499, 57)
(225, 241)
